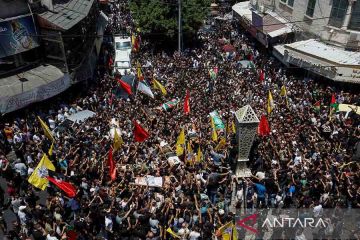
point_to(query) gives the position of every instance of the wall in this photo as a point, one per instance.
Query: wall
(314, 27)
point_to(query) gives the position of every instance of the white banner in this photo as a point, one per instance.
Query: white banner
(40, 93)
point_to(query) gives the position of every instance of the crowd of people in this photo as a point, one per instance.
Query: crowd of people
(309, 159)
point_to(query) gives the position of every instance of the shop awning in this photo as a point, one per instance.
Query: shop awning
(65, 15)
(31, 86)
(326, 60)
(243, 10)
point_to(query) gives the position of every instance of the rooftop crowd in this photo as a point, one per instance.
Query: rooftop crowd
(309, 159)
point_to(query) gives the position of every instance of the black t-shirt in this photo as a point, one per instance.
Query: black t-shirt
(37, 235)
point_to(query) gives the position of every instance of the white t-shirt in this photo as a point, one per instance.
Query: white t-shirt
(194, 235)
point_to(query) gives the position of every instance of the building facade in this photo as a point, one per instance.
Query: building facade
(45, 46)
(320, 36)
(335, 22)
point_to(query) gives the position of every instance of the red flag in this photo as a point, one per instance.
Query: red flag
(263, 129)
(262, 75)
(110, 62)
(125, 86)
(68, 188)
(333, 100)
(112, 168)
(187, 103)
(140, 133)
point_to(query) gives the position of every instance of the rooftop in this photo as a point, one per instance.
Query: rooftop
(325, 52)
(67, 13)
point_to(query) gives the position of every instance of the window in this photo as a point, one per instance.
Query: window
(123, 45)
(338, 12)
(355, 17)
(291, 3)
(310, 8)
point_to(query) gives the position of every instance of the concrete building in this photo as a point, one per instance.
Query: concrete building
(45, 46)
(24, 78)
(316, 33)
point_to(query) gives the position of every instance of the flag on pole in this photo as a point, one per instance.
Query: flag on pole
(50, 152)
(189, 148)
(135, 43)
(283, 93)
(159, 86)
(140, 76)
(68, 188)
(214, 135)
(187, 103)
(140, 133)
(263, 129)
(142, 87)
(180, 143)
(334, 106)
(261, 75)
(270, 104)
(213, 73)
(233, 127)
(112, 167)
(46, 130)
(221, 144)
(118, 141)
(38, 176)
(172, 233)
(125, 86)
(170, 104)
(199, 155)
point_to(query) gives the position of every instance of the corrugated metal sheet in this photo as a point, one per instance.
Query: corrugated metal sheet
(66, 15)
(326, 52)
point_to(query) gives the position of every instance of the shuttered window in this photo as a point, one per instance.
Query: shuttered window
(355, 17)
(338, 13)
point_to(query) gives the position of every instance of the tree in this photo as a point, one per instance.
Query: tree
(157, 19)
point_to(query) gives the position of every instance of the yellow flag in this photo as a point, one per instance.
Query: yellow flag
(234, 233)
(180, 143)
(118, 141)
(50, 152)
(139, 73)
(221, 144)
(188, 147)
(158, 85)
(169, 230)
(46, 129)
(214, 135)
(133, 39)
(222, 229)
(38, 176)
(283, 91)
(270, 105)
(233, 127)
(199, 155)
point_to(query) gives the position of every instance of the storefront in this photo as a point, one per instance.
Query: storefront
(35, 85)
(324, 60)
(265, 26)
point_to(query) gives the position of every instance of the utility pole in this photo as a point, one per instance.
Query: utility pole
(179, 26)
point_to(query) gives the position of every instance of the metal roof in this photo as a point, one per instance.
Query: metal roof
(67, 13)
(326, 52)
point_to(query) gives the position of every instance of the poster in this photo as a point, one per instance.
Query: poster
(17, 35)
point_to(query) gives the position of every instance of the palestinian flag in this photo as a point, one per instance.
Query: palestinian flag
(252, 66)
(333, 104)
(170, 104)
(213, 73)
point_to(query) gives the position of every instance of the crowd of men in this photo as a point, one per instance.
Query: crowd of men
(308, 160)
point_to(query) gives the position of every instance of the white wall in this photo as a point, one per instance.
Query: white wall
(317, 27)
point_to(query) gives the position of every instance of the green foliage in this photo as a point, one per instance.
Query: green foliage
(158, 17)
